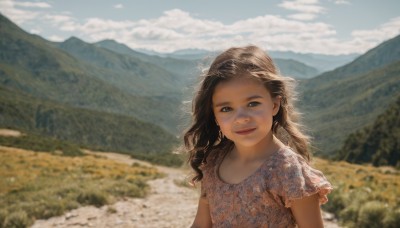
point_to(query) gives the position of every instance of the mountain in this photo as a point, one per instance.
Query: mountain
(320, 62)
(83, 127)
(126, 72)
(32, 65)
(293, 68)
(349, 98)
(186, 70)
(383, 54)
(378, 143)
(181, 62)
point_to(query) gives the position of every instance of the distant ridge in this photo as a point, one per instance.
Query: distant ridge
(182, 63)
(379, 56)
(186, 70)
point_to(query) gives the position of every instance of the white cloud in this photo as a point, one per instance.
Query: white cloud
(342, 2)
(58, 19)
(19, 16)
(56, 38)
(176, 29)
(35, 31)
(307, 9)
(118, 6)
(303, 6)
(33, 4)
(303, 16)
(366, 39)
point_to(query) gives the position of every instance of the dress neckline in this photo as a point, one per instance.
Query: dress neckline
(264, 163)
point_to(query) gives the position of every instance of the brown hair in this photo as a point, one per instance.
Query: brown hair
(203, 138)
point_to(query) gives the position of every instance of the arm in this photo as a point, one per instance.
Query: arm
(307, 213)
(203, 218)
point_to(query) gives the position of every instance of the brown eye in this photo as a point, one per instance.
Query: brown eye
(254, 104)
(226, 109)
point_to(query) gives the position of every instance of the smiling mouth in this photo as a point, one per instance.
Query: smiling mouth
(245, 131)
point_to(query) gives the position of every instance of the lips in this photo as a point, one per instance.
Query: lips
(245, 131)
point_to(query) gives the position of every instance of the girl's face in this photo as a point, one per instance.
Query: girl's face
(244, 109)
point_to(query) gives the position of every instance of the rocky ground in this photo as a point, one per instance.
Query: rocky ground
(168, 205)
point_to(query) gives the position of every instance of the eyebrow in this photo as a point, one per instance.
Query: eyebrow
(247, 99)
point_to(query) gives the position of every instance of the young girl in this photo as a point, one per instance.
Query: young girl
(247, 149)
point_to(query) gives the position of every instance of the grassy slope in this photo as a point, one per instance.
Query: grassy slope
(38, 185)
(363, 195)
(338, 102)
(339, 108)
(88, 128)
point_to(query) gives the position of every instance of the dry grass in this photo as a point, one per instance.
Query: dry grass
(383, 182)
(363, 196)
(41, 185)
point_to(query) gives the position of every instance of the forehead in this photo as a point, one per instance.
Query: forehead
(237, 89)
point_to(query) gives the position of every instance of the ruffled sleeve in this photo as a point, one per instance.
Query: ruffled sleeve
(297, 179)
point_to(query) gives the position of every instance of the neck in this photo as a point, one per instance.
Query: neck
(263, 149)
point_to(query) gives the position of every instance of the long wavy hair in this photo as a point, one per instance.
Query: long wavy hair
(203, 139)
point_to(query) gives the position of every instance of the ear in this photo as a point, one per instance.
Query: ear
(276, 105)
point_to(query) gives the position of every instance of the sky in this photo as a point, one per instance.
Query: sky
(330, 27)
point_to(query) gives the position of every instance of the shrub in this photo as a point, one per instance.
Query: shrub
(336, 201)
(371, 215)
(350, 213)
(92, 197)
(126, 189)
(18, 219)
(166, 159)
(111, 210)
(3, 217)
(392, 219)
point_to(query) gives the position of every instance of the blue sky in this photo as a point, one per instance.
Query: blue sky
(307, 26)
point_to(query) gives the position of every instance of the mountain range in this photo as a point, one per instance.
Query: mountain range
(320, 62)
(67, 85)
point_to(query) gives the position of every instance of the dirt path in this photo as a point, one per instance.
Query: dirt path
(167, 205)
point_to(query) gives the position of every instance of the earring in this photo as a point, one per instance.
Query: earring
(220, 134)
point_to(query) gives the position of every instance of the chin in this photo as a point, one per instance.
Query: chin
(247, 143)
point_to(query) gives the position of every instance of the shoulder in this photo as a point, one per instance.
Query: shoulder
(294, 178)
(286, 158)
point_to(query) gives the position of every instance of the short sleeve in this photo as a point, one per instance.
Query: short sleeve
(298, 179)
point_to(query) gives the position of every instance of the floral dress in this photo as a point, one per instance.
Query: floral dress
(264, 198)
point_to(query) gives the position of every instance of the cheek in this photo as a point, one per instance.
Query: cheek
(224, 123)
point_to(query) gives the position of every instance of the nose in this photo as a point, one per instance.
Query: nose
(242, 116)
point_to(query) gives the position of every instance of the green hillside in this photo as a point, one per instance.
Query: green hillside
(126, 72)
(349, 98)
(378, 143)
(346, 105)
(86, 128)
(30, 64)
